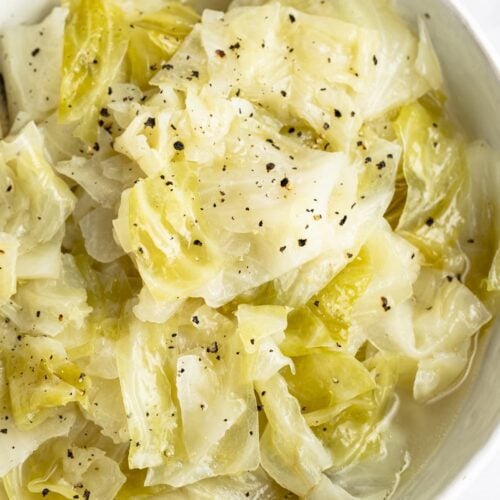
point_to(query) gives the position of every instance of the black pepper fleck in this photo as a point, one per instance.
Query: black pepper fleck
(385, 304)
(213, 347)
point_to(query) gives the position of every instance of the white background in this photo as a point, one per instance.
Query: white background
(486, 16)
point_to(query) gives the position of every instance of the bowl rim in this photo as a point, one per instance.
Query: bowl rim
(467, 475)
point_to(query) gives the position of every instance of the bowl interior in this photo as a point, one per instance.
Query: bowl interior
(473, 85)
(474, 90)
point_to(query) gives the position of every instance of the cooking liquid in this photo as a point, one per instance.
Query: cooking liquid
(427, 425)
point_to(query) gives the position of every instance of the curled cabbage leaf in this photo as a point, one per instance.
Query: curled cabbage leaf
(155, 37)
(105, 45)
(47, 307)
(95, 43)
(290, 452)
(21, 443)
(64, 468)
(41, 378)
(30, 55)
(35, 204)
(480, 238)
(206, 390)
(178, 223)
(435, 172)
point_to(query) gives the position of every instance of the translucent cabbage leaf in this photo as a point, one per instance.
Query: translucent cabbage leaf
(325, 320)
(427, 63)
(320, 91)
(447, 315)
(21, 443)
(325, 379)
(480, 237)
(377, 476)
(383, 68)
(254, 484)
(334, 303)
(95, 44)
(30, 55)
(47, 307)
(35, 205)
(147, 393)
(109, 288)
(105, 45)
(61, 468)
(376, 161)
(261, 329)
(425, 316)
(327, 489)
(290, 452)
(8, 258)
(435, 172)
(155, 37)
(97, 232)
(179, 223)
(106, 408)
(40, 377)
(59, 140)
(388, 271)
(205, 423)
(350, 430)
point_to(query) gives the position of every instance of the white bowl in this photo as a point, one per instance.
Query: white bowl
(473, 82)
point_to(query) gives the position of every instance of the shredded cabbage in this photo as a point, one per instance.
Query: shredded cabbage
(231, 245)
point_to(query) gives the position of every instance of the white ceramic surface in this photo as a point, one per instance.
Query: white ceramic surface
(473, 82)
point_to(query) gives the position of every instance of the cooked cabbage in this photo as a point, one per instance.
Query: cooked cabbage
(435, 170)
(34, 205)
(105, 45)
(232, 245)
(30, 55)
